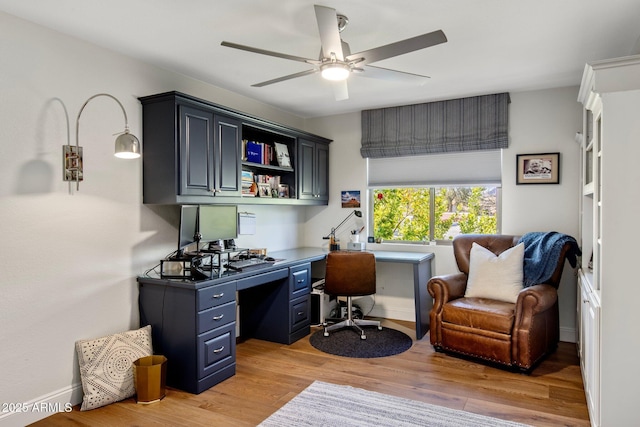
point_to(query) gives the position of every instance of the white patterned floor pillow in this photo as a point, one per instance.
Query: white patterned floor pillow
(106, 366)
(495, 277)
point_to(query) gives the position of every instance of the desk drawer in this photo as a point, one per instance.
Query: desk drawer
(216, 295)
(216, 316)
(299, 313)
(299, 280)
(216, 349)
(262, 278)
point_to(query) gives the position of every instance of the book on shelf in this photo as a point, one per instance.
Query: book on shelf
(282, 154)
(254, 152)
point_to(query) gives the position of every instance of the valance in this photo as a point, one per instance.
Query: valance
(457, 125)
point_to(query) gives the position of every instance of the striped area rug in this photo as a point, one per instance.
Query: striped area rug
(324, 404)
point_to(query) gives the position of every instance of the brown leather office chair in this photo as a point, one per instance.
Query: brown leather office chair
(350, 274)
(516, 335)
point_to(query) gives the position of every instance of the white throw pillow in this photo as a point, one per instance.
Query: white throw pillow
(495, 277)
(106, 366)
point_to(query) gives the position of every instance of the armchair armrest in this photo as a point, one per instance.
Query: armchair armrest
(446, 288)
(535, 299)
(443, 289)
(535, 329)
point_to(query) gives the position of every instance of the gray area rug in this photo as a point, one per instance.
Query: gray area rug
(346, 342)
(324, 404)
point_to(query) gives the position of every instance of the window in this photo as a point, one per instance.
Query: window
(419, 214)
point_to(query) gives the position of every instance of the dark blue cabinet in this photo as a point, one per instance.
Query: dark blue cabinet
(194, 324)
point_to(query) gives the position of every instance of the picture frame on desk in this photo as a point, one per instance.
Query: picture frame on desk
(264, 190)
(283, 191)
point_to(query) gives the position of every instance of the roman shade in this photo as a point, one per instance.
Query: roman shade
(458, 125)
(465, 169)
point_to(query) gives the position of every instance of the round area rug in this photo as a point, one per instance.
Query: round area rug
(346, 342)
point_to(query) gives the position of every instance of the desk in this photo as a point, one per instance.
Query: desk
(194, 321)
(421, 275)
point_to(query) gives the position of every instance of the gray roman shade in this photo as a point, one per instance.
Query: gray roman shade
(457, 125)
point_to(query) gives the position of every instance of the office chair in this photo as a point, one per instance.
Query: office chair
(350, 274)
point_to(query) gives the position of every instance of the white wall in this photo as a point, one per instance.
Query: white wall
(540, 121)
(69, 262)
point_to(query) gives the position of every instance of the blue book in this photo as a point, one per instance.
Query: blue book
(254, 152)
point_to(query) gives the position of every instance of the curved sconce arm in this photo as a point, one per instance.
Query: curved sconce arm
(127, 146)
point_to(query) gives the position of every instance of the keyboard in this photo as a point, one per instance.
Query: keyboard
(242, 264)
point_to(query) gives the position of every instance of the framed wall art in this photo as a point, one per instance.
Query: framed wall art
(542, 168)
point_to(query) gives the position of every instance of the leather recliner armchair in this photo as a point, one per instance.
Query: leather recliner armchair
(514, 335)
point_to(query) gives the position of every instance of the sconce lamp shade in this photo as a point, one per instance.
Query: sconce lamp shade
(127, 146)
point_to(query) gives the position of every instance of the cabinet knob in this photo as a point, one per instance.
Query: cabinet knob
(219, 350)
(218, 317)
(300, 280)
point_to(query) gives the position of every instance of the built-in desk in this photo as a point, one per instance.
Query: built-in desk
(194, 321)
(421, 275)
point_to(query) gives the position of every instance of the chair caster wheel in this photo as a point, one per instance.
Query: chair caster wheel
(379, 328)
(326, 334)
(363, 337)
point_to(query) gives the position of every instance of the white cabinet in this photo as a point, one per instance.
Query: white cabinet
(608, 311)
(589, 343)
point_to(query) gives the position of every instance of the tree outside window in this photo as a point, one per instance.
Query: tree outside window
(404, 214)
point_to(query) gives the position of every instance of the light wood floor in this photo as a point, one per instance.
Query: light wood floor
(268, 375)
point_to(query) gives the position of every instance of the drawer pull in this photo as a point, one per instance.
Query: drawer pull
(301, 281)
(218, 296)
(218, 317)
(300, 313)
(219, 350)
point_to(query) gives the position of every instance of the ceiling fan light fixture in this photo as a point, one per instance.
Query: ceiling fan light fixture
(335, 71)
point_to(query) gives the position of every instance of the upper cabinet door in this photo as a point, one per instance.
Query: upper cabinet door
(196, 151)
(227, 153)
(313, 170)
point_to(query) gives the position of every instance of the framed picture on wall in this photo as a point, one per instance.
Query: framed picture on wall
(542, 168)
(350, 199)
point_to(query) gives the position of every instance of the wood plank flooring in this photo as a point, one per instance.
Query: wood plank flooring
(268, 375)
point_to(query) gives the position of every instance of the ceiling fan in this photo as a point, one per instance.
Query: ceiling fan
(336, 62)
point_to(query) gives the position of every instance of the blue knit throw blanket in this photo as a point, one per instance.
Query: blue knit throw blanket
(541, 252)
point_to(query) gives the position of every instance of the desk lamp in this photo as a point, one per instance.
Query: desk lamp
(332, 236)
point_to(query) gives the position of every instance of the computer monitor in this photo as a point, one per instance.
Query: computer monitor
(217, 222)
(188, 227)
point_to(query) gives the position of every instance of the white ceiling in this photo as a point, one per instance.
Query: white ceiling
(493, 45)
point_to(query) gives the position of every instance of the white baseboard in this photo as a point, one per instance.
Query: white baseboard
(397, 313)
(568, 334)
(24, 413)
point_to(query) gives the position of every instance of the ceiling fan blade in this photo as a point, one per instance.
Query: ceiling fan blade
(283, 78)
(329, 34)
(340, 90)
(393, 75)
(398, 48)
(270, 53)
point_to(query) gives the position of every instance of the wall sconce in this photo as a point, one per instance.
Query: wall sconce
(333, 245)
(127, 147)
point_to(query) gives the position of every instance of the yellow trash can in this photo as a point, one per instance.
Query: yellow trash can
(150, 373)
